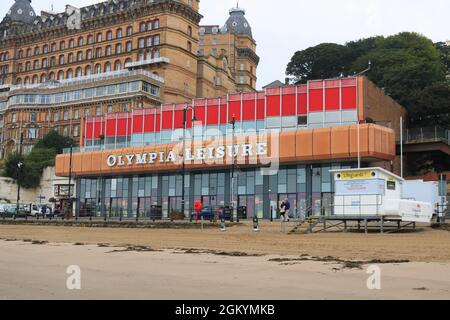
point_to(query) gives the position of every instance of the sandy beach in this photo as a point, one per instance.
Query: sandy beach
(208, 264)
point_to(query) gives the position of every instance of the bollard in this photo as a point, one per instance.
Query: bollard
(222, 225)
(256, 224)
(202, 222)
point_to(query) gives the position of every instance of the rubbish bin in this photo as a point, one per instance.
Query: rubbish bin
(227, 212)
(155, 212)
(242, 212)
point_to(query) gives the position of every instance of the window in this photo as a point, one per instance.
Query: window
(71, 43)
(35, 79)
(108, 51)
(189, 31)
(98, 68)
(156, 24)
(66, 115)
(61, 59)
(189, 46)
(129, 31)
(98, 53)
(44, 63)
(53, 47)
(56, 116)
(62, 45)
(141, 43)
(65, 131)
(109, 35)
(98, 111)
(156, 54)
(28, 52)
(36, 51)
(28, 66)
(110, 108)
(76, 131)
(61, 75)
(89, 54)
(150, 26)
(80, 41)
(242, 80)
(391, 185)
(143, 27)
(156, 40)
(90, 39)
(33, 117)
(242, 67)
(86, 112)
(69, 74)
(99, 37)
(302, 120)
(149, 41)
(80, 56)
(20, 54)
(45, 49)
(117, 66)
(88, 71)
(118, 48)
(52, 61)
(79, 72)
(43, 78)
(119, 33)
(107, 67)
(76, 114)
(36, 64)
(70, 57)
(129, 46)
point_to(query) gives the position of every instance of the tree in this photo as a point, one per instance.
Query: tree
(11, 165)
(403, 65)
(444, 49)
(53, 140)
(327, 60)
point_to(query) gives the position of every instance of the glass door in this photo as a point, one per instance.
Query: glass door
(175, 208)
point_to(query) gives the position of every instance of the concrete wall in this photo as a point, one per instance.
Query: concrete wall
(8, 188)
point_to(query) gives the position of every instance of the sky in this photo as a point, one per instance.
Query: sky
(282, 27)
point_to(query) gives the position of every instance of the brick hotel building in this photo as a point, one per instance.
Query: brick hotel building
(114, 56)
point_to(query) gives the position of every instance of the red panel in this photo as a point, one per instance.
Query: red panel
(189, 115)
(200, 114)
(89, 126)
(234, 108)
(302, 108)
(332, 99)
(273, 106)
(288, 108)
(213, 115)
(260, 113)
(122, 127)
(97, 129)
(149, 124)
(167, 120)
(111, 127)
(138, 126)
(349, 98)
(158, 121)
(178, 120)
(248, 110)
(223, 113)
(316, 100)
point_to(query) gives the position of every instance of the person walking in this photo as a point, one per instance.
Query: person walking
(287, 206)
(283, 211)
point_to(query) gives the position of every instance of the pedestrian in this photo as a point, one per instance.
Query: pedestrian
(283, 211)
(287, 205)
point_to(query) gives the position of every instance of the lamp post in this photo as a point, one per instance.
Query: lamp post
(183, 170)
(69, 210)
(19, 170)
(233, 123)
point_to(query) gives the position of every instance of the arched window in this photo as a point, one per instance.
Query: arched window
(117, 65)
(150, 26)
(36, 51)
(118, 48)
(20, 54)
(127, 61)
(88, 71)
(89, 54)
(61, 75)
(62, 45)
(80, 41)
(51, 76)
(189, 46)
(109, 35)
(69, 74)
(129, 31)
(80, 56)
(119, 33)
(79, 72)
(71, 43)
(70, 58)
(43, 78)
(53, 48)
(27, 80)
(52, 61)
(28, 52)
(107, 67)
(44, 63)
(61, 59)
(90, 39)
(28, 66)
(45, 49)
(156, 24)
(99, 37)
(108, 51)
(19, 67)
(35, 79)
(19, 81)
(98, 68)
(155, 54)
(189, 31)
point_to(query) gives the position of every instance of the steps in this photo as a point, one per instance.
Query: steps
(306, 226)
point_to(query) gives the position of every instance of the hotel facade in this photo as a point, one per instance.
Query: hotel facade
(114, 56)
(279, 143)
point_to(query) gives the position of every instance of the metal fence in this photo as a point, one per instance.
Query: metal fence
(427, 134)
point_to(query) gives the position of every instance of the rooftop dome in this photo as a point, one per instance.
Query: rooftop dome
(22, 11)
(237, 23)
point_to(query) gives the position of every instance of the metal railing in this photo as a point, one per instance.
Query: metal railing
(427, 134)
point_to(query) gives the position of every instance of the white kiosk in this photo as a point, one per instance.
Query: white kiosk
(375, 193)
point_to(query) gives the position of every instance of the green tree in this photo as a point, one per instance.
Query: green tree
(11, 165)
(326, 60)
(404, 65)
(53, 140)
(444, 49)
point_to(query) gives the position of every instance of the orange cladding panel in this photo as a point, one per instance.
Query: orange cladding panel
(322, 144)
(304, 145)
(340, 146)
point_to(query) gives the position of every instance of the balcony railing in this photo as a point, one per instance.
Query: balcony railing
(426, 134)
(147, 62)
(88, 79)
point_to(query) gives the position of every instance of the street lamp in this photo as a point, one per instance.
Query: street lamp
(69, 209)
(183, 170)
(233, 123)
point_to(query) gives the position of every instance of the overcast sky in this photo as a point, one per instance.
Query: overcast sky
(282, 27)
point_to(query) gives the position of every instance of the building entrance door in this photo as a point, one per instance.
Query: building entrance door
(175, 208)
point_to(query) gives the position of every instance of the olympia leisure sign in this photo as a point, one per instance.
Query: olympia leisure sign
(208, 154)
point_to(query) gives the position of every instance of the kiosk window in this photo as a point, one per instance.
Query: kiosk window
(391, 185)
